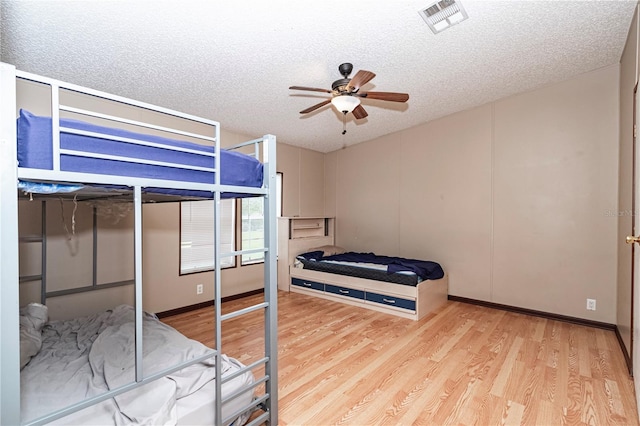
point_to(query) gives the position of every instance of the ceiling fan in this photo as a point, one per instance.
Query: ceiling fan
(345, 93)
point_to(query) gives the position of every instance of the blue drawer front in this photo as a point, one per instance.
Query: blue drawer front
(307, 284)
(391, 301)
(344, 291)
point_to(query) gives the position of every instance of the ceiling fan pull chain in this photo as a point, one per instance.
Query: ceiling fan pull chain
(344, 122)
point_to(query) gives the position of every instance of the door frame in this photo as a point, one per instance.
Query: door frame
(634, 231)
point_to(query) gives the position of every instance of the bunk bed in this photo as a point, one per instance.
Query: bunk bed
(73, 157)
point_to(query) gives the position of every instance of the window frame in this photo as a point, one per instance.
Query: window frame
(237, 229)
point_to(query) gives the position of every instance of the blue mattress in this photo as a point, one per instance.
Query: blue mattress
(35, 151)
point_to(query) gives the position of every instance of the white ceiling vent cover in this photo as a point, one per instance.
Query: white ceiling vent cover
(443, 14)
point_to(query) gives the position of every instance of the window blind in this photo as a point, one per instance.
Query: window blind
(196, 235)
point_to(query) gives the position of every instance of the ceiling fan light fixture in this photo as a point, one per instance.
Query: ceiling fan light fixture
(345, 103)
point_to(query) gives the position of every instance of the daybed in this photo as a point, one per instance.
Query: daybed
(404, 287)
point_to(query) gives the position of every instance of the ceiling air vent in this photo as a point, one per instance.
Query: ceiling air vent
(443, 14)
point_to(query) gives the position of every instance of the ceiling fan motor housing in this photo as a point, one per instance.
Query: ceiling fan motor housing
(340, 84)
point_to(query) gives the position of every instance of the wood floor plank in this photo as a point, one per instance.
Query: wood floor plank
(506, 369)
(561, 397)
(513, 414)
(527, 392)
(454, 338)
(462, 365)
(572, 409)
(588, 412)
(546, 414)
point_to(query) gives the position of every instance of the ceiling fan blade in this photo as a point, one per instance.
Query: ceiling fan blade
(312, 89)
(361, 78)
(386, 96)
(359, 112)
(315, 107)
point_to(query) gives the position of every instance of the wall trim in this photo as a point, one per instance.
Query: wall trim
(548, 315)
(206, 304)
(627, 358)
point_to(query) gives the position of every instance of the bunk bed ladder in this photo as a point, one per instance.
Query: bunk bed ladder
(269, 401)
(271, 279)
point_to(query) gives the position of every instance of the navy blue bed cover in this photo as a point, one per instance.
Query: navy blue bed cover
(425, 269)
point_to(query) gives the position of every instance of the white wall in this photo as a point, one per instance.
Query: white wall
(512, 197)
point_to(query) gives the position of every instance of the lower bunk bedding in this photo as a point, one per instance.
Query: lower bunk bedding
(409, 288)
(65, 362)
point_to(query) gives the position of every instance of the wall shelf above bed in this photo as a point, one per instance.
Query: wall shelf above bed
(296, 235)
(309, 227)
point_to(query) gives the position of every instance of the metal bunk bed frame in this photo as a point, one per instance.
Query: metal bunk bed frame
(10, 173)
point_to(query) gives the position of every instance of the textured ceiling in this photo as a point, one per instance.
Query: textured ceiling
(233, 61)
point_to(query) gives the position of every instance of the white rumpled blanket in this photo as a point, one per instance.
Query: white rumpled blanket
(82, 358)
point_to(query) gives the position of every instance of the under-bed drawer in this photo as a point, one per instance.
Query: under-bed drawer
(307, 284)
(344, 291)
(384, 299)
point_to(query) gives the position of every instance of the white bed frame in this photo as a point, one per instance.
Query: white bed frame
(428, 295)
(10, 173)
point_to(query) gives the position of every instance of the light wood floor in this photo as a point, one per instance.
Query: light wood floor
(462, 365)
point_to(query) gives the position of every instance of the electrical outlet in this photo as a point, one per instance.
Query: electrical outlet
(200, 290)
(591, 304)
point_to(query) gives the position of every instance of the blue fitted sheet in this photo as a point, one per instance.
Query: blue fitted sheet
(35, 151)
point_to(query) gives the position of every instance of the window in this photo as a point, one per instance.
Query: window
(253, 223)
(196, 235)
(252, 228)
